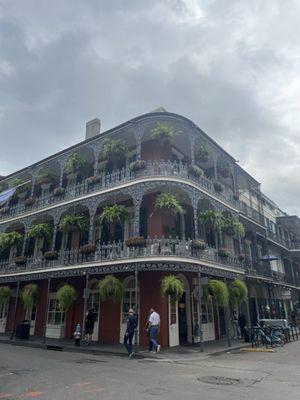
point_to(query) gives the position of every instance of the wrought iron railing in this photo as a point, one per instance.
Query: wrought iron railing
(158, 247)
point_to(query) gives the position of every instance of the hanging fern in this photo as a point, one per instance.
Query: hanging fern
(219, 290)
(10, 239)
(211, 219)
(74, 222)
(66, 296)
(5, 294)
(172, 286)
(46, 177)
(232, 227)
(202, 152)
(30, 295)
(164, 133)
(114, 213)
(111, 288)
(169, 202)
(113, 149)
(75, 164)
(43, 230)
(238, 292)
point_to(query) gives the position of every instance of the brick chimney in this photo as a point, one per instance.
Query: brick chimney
(92, 128)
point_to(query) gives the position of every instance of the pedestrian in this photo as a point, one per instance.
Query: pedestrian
(77, 335)
(235, 325)
(154, 321)
(130, 328)
(147, 329)
(242, 324)
(89, 326)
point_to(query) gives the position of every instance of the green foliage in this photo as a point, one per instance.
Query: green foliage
(211, 219)
(66, 296)
(219, 290)
(111, 288)
(113, 149)
(10, 239)
(169, 202)
(202, 152)
(42, 230)
(5, 294)
(238, 292)
(46, 177)
(224, 169)
(172, 286)
(74, 222)
(30, 295)
(75, 164)
(232, 227)
(114, 213)
(196, 171)
(16, 182)
(24, 188)
(164, 133)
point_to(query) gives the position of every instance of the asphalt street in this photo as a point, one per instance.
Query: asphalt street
(36, 373)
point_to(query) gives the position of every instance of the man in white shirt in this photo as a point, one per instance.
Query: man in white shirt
(154, 322)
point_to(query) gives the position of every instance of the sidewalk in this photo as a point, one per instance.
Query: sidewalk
(171, 353)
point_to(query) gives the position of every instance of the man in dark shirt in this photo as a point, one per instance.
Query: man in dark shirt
(131, 325)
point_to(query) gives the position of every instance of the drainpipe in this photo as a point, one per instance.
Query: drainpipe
(200, 311)
(136, 304)
(47, 311)
(15, 311)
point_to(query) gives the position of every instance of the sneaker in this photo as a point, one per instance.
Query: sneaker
(130, 356)
(158, 348)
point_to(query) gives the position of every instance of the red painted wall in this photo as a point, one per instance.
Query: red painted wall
(109, 322)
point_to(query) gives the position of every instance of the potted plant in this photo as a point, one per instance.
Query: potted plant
(43, 230)
(195, 171)
(10, 239)
(20, 260)
(219, 187)
(232, 227)
(75, 165)
(198, 244)
(136, 242)
(114, 213)
(238, 292)
(211, 219)
(172, 286)
(224, 169)
(167, 202)
(137, 165)
(113, 150)
(111, 288)
(92, 180)
(224, 253)
(23, 190)
(30, 295)
(66, 296)
(163, 133)
(51, 255)
(88, 249)
(29, 202)
(242, 257)
(202, 152)
(71, 222)
(5, 294)
(219, 290)
(45, 179)
(59, 191)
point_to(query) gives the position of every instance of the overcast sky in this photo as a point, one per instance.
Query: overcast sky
(230, 66)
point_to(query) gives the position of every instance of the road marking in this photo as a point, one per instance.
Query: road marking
(9, 373)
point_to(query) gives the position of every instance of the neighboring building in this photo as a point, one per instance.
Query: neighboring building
(164, 153)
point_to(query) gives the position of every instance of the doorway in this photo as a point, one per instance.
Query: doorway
(182, 320)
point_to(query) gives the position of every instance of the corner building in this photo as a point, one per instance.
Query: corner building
(266, 257)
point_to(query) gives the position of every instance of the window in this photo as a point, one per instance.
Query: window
(55, 315)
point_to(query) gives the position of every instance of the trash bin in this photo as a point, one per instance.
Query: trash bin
(22, 330)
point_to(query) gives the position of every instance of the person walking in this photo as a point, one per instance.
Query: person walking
(147, 329)
(154, 322)
(235, 325)
(130, 328)
(89, 326)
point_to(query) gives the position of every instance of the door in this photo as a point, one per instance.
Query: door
(56, 319)
(173, 323)
(93, 303)
(207, 319)
(129, 301)
(182, 320)
(3, 316)
(31, 317)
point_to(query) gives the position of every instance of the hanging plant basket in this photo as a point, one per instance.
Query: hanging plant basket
(88, 249)
(242, 257)
(232, 227)
(219, 187)
(137, 165)
(75, 165)
(238, 292)
(111, 288)
(51, 255)
(199, 244)
(196, 171)
(163, 133)
(219, 290)
(136, 242)
(172, 286)
(43, 230)
(21, 260)
(167, 202)
(29, 202)
(113, 149)
(46, 178)
(114, 213)
(30, 295)
(5, 294)
(66, 296)
(59, 191)
(71, 223)
(202, 153)
(224, 253)
(211, 219)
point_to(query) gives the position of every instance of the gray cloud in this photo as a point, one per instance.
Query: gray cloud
(232, 67)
